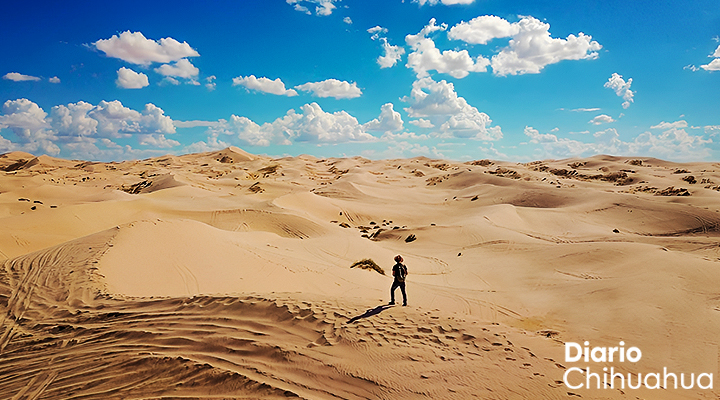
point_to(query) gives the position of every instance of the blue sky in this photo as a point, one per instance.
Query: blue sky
(455, 79)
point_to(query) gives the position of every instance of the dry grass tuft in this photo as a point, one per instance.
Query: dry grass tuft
(368, 264)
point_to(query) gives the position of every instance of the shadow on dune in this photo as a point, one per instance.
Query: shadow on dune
(369, 313)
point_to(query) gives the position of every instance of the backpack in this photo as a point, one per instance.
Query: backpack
(400, 272)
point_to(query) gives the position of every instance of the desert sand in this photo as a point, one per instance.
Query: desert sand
(227, 275)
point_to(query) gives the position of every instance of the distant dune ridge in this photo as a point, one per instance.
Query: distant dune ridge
(228, 275)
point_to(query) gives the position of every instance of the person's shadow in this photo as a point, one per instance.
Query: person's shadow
(369, 313)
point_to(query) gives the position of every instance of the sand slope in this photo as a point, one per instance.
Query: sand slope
(227, 275)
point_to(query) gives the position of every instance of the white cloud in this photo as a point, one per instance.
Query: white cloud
(18, 77)
(264, 85)
(73, 119)
(170, 80)
(392, 55)
(54, 79)
(109, 119)
(601, 119)
(376, 31)
(180, 69)
(347, 20)
(129, 79)
(322, 7)
(388, 121)
(443, 108)
(671, 125)
(426, 57)
(22, 114)
(406, 135)
(553, 146)
(621, 88)
(672, 144)
(79, 127)
(134, 48)
(210, 82)
(157, 140)
(332, 88)
(311, 124)
(422, 123)
(714, 65)
(532, 48)
(445, 2)
(27, 121)
(712, 130)
(717, 52)
(585, 109)
(316, 125)
(483, 29)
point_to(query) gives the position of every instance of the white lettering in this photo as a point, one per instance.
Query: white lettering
(614, 374)
(589, 375)
(568, 348)
(565, 378)
(665, 378)
(600, 350)
(710, 378)
(638, 354)
(657, 380)
(692, 381)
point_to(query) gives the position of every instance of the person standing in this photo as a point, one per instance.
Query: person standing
(399, 272)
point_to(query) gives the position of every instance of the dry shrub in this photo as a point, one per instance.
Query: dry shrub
(368, 264)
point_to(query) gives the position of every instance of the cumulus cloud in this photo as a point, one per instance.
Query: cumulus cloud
(157, 140)
(313, 124)
(110, 119)
(79, 128)
(322, 7)
(388, 121)
(671, 144)
(264, 85)
(426, 57)
(392, 54)
(601, 119)
(134, 48)
(129, 79)
(671, 125)
(347, 20)
(422, 123)
(443, 108)
(585, 109)
(18, 77)
(310, 124)
(621, 88)
(27, 121)
(23, 114)
(180, 69)
(54, 79)
(713, 65)
(532, 48)
(332, 88)
(483, 29)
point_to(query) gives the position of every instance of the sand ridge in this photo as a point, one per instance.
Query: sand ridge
(226, 274)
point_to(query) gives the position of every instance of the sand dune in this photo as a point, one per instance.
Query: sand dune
(227, 275)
